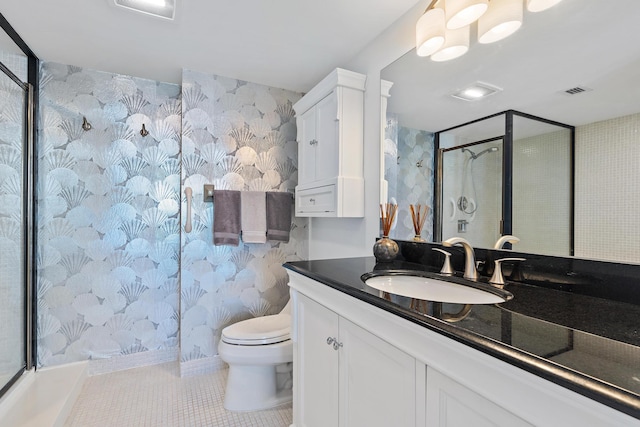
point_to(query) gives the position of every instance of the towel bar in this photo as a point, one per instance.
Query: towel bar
(208, 193)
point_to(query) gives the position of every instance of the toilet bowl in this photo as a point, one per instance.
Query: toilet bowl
(259, 353)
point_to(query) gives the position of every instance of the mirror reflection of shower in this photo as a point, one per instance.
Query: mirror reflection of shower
(468, 200)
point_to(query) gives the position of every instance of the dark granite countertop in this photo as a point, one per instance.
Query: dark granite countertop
(588, 344)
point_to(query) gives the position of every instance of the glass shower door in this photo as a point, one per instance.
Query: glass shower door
(472, 192)
(13, 294)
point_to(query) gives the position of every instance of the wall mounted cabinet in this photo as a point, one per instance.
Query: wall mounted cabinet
(330, 147)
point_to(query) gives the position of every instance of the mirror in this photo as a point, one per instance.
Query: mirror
(572, 64)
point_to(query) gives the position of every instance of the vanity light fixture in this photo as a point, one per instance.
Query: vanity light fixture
(160, 8)
(430, 32)
(476, 91)
(461, 13)
(496, 20)
(540, 5)
(456, 43)
(502, 19)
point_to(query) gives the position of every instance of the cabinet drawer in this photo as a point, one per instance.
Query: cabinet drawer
(314, 200)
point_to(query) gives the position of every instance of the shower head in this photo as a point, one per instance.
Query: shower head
(475, 156)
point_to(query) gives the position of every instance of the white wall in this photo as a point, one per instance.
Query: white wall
(341, 237)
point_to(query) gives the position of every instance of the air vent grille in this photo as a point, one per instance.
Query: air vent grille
(576, 90)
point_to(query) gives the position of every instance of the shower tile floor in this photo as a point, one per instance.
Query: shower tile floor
(156, 396)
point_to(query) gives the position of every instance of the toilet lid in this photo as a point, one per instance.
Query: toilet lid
(259, 331)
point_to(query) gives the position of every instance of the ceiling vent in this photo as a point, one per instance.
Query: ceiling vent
(576, 90)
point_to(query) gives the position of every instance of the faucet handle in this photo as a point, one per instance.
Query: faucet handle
(507, 238)
(446, 269)
(497, 278)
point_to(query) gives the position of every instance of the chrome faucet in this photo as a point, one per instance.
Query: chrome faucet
(470, 271)
(507, 238)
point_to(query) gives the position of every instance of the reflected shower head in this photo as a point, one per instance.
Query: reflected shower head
(475, 156)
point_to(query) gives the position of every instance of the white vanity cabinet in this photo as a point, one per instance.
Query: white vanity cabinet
(388, 371)
(330, 124)
(450, 404)
(346, 376)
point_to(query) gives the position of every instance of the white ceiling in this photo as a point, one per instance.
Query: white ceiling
(588, 43)
(290, 44)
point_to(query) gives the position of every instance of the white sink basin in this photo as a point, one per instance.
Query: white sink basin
(430, 289)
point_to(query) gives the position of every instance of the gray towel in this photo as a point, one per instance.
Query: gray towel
(226, 217)
(254, 219)
(278, 215)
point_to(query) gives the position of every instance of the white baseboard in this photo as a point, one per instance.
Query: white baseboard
(130, 361)
(203, 366)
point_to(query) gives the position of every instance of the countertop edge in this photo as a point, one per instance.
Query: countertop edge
(585, 385)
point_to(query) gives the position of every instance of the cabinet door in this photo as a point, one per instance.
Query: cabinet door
(307, 146)
(317, 366)
(450, 404)
(327, 150)
(377, 381)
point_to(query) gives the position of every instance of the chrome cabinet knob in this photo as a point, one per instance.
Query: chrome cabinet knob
(336, 344)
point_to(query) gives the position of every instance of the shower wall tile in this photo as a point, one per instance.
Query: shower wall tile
(409, 173)
(607, 200)
(542, 193)
(107, 215)
(237, 135)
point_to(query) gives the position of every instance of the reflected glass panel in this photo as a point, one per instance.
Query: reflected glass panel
(541, 187)
(472, 192)
(12, 57)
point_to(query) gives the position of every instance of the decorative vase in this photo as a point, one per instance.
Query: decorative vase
(385, 249)
(418, 238)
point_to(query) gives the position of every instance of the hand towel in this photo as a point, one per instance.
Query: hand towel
(226, 217)
(254, 216)
(278, 215)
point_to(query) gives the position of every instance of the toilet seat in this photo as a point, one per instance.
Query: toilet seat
(259, 331)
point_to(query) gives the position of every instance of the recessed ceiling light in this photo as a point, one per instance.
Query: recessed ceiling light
(476, 91)
(161, 8)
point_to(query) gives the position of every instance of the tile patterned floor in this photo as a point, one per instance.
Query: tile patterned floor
(156, 396)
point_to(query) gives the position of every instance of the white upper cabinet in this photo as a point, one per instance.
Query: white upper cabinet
(330, 125)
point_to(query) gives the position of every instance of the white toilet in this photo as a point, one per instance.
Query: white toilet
(259, 353)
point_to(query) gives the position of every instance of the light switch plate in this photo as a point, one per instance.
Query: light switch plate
(208, 192)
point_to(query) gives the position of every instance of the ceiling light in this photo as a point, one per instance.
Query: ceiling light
(497, 19)
(430, 32)
(160, 8)
(540, 5)
(476, 91)
(461, 13)
(456, 43)
(502, 19)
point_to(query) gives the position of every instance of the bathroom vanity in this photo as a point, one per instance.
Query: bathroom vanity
(363, 357)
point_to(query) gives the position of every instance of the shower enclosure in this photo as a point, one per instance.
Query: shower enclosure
(509, 173)
(18, 70)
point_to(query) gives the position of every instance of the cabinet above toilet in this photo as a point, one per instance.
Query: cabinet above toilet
(330, 125)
